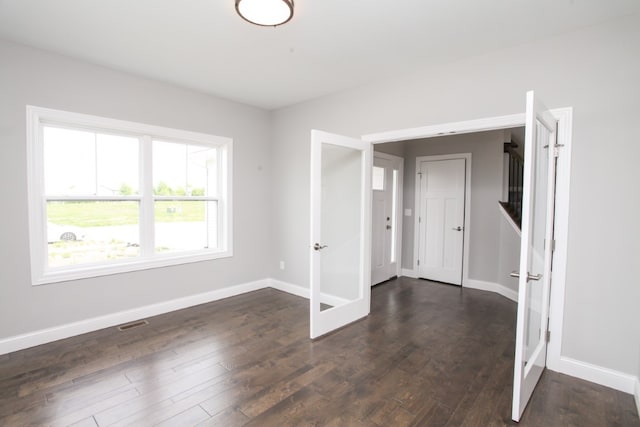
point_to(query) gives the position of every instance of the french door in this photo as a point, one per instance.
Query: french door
(340, 246)
(535, 252)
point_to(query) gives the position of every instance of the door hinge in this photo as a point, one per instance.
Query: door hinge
(418, 261)
(548, 335)
(419, 220)
(556, 150)
(553, 244)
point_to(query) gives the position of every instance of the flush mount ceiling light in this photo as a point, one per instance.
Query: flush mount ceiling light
(268, 13)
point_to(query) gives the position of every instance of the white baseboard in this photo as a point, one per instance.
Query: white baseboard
(636, 394)
(43, 336)
(599, 375)
(332, 300)
(409, 273)
(493, 287)
(289, 288)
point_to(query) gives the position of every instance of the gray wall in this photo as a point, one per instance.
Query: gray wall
(596, 71)
(486, 189)
(29, 76)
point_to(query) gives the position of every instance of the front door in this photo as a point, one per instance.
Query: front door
(384, 218)
(441, 219)
(535, 252)
(340, 248)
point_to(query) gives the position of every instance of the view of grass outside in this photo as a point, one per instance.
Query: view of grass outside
(108, 230)
(105, 214)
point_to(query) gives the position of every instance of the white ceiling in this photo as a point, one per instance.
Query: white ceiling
(330, 45)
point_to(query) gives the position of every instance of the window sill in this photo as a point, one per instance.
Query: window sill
(85, 272)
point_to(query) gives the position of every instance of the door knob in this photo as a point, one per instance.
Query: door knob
(530, 276)
(319, 247)
(458, 228)
(388, 227)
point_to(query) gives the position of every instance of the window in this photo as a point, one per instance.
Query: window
(108, 196)
(377, 178)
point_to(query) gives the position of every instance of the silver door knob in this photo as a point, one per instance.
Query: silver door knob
(530, 276)
(458, 228)
(319, 247)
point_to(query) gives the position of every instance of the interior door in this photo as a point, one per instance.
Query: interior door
(441, 220)
(340, 263)
(535, 252)
(383, 220)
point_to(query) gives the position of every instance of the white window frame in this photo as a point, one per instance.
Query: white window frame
(42, 274)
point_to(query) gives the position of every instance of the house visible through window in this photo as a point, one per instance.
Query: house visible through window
(108, 196)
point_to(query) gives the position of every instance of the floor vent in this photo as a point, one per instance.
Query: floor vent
(132, 325)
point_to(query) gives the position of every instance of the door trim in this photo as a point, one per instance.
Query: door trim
(399, 207)
(561, 219)
(467, 210)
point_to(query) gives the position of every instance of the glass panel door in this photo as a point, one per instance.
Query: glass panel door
(535, 252)
(340, 230)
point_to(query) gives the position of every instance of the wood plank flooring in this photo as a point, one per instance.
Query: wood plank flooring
(428, 355)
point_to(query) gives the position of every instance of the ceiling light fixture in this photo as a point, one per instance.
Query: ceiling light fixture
(267, 13)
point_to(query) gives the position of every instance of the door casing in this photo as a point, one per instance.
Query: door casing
(564, 116)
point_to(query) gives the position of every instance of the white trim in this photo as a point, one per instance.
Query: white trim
(636, 394)
(407, 272)
(467, 211)
(468, 126)
(492, 287)
(43, 336)
(399, 207)
(300, 291)
(561, 232)
(597, 374)
(41, 274)
(289, 288)
(510, 220)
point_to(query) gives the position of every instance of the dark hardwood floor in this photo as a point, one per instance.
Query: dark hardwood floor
(429, 355)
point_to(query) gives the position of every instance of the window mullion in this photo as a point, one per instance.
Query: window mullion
(147, 237)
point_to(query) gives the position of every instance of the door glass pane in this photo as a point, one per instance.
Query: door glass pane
(183, 225)
(394, 220)
(533, 332)
(341, 193)
(81, 232)
(377, 179)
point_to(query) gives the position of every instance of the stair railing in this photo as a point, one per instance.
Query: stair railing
(513, 205)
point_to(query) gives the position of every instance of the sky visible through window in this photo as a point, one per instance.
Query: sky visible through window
(79, 162)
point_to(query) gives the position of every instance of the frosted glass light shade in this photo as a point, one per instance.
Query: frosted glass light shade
(268, 13)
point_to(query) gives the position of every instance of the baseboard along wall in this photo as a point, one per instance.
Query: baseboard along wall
(492, 287)
(589, 372)
(43, 336)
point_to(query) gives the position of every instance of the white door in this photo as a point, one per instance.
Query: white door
(385, 184)
(535, 252)
(340, 231)
(441, 219)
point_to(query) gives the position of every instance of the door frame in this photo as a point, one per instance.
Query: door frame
(467, 210)
(399, 206)
(555, 361)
